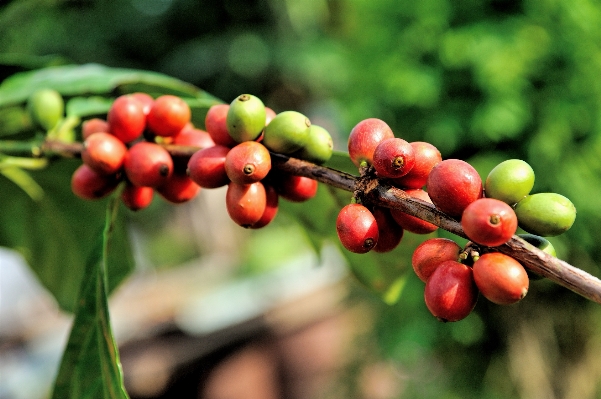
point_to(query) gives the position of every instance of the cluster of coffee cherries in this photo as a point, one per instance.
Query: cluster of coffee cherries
(130, 146)
(245, 133)
(126, 147)
(489, 212)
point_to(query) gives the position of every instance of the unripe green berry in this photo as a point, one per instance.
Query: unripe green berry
(46, 107)
(287, 132)
(319, 146)
(509, 181)
(545, 214)
(246, 118)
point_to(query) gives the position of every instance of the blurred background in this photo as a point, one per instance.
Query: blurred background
(216, 311)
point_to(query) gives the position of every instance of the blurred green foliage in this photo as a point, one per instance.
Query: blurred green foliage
(483, 80)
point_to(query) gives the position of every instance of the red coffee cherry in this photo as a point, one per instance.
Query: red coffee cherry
(216, 125)
(393, 158)
(104, 153)
(357, 228)
(179, 188)
(426, 157)
(148, 164)
(145, 99)
(431, 253)
(450, 292)
(488, 221)
(168, 115)
(500, 278)
(90, 185)
(296, 188)
(271, 207)
(136, 197)
(453, 184)
(247, 162)
(365, 137)
(246, 203)
(207, 167)
(412, 223)
(94, 125)
(193, 137)
(390, 233)
(269, 115)
(126, 118)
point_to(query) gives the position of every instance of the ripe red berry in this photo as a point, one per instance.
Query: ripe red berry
(145, 99)
(500, 278)
(488, 221)
(246, 203)
(207, 167)
(271, 207)
(357, 228)
(94, 125)
(393, 158)
(269, 115)
(104, 153)
(148, 164)
(296, 188)
(126, 118)
(193, 137)
(453, 184)
(412, 223)
(450, 292)
(431, 253)
(390, 233)
(168, 115)
(426, 157)
(137, 197)
(365, 137)
(179, 188)
(247, 162)
(216, 125)
(89, 185)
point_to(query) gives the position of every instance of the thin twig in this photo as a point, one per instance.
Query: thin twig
(379, 192)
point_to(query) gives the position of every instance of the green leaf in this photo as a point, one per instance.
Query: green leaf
(382, 273)
(90, 367)
(90, 79)
(55, 233)
(199, 108)
(88, 106)
(341, 160)
(14, 120)
(24, 180)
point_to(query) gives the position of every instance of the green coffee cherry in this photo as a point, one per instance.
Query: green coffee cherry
(539, 242)
(287, 132)
(509, 181)
(319, 146)
(246, 118)
(545, 214)
(46, 107)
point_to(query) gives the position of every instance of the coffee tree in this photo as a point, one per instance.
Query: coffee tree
(101, 142)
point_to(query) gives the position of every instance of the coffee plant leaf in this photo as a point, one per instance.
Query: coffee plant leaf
(90, 366)
(54, 231)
